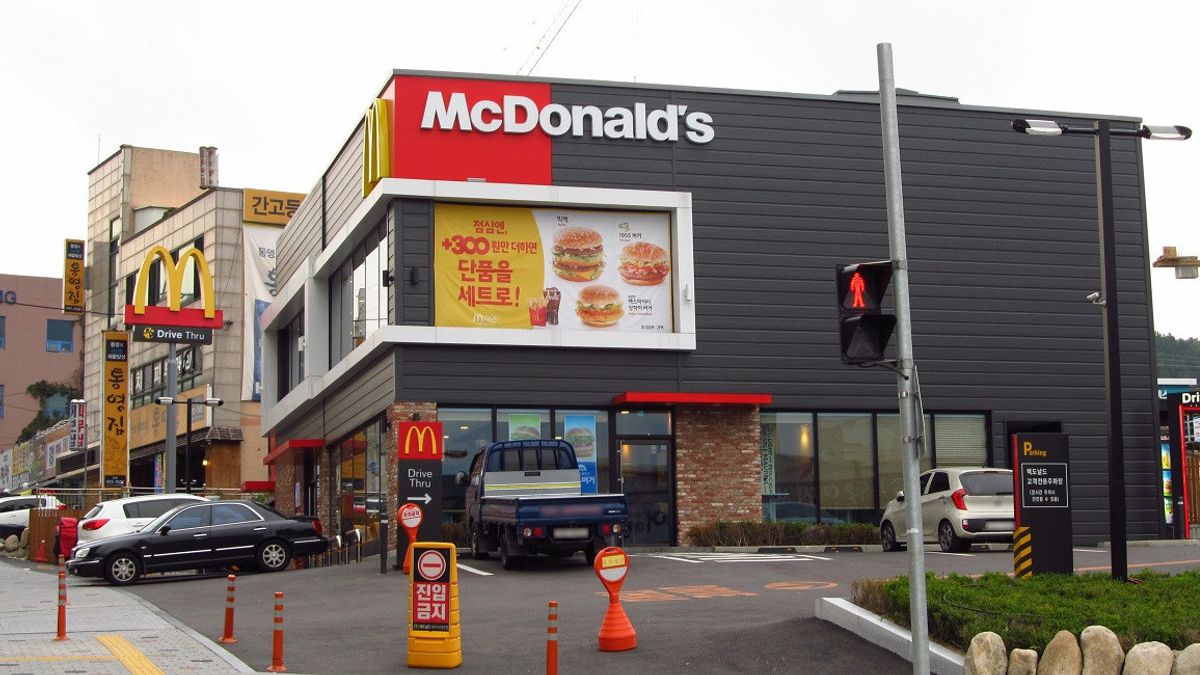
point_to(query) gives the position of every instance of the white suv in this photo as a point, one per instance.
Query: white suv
(959, 506)
(14, 512)
(122, 516)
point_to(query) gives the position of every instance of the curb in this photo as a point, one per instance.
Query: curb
(218, 651)
(883, 633)
(1152, 543)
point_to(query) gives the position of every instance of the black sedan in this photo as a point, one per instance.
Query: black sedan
(197, 536)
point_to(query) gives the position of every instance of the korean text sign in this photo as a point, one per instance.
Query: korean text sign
(553, 269)
(115, 391)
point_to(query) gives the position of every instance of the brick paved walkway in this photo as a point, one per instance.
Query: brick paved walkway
(108, 631)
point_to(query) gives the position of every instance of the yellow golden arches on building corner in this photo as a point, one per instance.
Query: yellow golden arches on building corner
(174, 271)
(1023, 552)
(377, 145)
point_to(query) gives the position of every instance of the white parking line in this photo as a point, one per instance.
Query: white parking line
(1089, 550)
(966, 555)
(472, 570)
(668, 557)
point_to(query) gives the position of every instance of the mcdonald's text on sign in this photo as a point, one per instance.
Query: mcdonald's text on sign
(174, 314)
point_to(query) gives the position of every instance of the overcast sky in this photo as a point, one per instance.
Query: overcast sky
(278, 86)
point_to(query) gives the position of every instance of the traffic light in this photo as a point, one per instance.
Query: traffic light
(864, 330)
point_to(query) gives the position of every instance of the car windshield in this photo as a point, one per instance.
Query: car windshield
(987, 483)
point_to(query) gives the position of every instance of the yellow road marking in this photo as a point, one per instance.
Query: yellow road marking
(130, 656)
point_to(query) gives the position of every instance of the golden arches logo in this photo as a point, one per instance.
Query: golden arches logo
(415, 436)
(148, 332)
(174, 271)
(377, 145)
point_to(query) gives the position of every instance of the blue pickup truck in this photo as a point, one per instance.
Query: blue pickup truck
(523, 498)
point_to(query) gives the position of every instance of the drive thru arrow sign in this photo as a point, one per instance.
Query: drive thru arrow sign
(425, 499)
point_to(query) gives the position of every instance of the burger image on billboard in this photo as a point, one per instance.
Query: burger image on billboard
(599, 306)
(582, 440)
(525, 433)
(578, 254)
(644, 264)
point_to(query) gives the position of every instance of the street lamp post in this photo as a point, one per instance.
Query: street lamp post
(187, 450)
(1103, 132)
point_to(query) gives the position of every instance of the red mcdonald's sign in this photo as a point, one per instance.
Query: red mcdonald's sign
(420, 440)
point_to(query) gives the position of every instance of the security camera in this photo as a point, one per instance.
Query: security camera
(1094, 298)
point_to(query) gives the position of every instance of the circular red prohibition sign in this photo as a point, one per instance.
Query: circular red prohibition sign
(431, 565)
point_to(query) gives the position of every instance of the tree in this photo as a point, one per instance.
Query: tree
(44, 391)
(1177, 357)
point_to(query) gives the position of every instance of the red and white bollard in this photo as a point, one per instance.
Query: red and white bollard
(552, 640)
(277, 645)
(227, 637)
(62, 605)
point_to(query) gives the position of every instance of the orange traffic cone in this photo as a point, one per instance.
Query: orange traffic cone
(616, 632)
(41, 553)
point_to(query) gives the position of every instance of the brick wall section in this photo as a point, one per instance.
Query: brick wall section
(400, 412)
(285, 482)
(718, 465)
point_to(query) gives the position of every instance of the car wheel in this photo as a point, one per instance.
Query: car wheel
(887, 537)
(477, 551)
(273, 556)
(948, 540)
(122, 569)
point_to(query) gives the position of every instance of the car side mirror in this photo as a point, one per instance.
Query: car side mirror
(164, 529)
(460, 479)
(900, 496)
(475, 480)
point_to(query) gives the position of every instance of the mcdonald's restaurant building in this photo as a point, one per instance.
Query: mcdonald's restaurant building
(648, 272)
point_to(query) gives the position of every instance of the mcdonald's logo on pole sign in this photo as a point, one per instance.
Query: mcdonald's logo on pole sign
(174, 314)
(420, 440)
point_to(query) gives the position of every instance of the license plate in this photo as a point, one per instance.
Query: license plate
(998, 525)
(570, 533)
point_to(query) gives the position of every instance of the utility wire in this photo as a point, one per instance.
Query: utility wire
(555, 26)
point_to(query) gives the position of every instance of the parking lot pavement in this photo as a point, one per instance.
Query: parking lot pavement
(108, 631)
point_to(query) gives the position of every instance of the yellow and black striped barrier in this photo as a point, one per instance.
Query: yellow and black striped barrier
(1023, 553)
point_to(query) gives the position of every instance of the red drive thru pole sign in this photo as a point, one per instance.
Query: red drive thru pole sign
(410, 517)
(616, 632)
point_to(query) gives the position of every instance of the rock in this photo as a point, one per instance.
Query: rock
(24, 538)
(1102, 653)
(1022, 662)
(1062, 656)
(986, 655)
(1149, 658)
(1187, 662)
(12, 543)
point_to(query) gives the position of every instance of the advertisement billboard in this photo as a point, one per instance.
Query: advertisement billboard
(116, 408)
(551, 269)
(259, 289)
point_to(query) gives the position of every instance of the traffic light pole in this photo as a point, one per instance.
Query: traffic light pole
(906, 379)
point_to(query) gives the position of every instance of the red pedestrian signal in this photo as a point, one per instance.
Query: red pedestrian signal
(863, 329)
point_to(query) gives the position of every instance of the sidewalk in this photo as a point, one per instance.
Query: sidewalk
(108, 631)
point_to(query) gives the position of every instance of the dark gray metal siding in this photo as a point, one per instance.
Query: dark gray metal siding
(343, 184)
(1002, 244)
(301, 238)
(414, 247)
(364, 396)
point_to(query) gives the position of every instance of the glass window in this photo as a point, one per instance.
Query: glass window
(987, 483)
(1, 401)
(847, 467)
(2, 332)
(925, 481)
(466, 432)
(55, 406)
(643, 423)
(587, 432)
(189, 290)
(891, 468)
(788, 467)
(522, 425)
(197, 516)
(939, 483)
(60, 335)
(960, 440)
(231, 514)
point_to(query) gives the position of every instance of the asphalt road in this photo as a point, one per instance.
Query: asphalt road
(693, 612)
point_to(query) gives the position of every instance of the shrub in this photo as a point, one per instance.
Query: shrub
(1027, 613)
(757, 533)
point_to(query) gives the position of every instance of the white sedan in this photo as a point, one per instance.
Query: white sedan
(959, 507)
(129, 514)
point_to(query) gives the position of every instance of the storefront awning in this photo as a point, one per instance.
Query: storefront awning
(668, 397)
(258, 486)
(294, 444)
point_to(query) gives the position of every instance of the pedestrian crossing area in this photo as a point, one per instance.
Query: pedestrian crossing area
(723, 557)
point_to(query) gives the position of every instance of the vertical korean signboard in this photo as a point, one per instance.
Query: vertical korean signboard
(116, 410)
(73, 277)
(1042, 499)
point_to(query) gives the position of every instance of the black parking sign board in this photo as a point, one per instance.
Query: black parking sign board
(1042, 473)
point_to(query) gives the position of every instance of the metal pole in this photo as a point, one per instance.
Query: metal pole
(905, 380)
(172, 425)
(383, 541)
(187, 449)
(1112, 352)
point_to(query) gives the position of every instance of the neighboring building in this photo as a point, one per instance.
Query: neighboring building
(418, 280)
(37, 342)
(142, 198)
